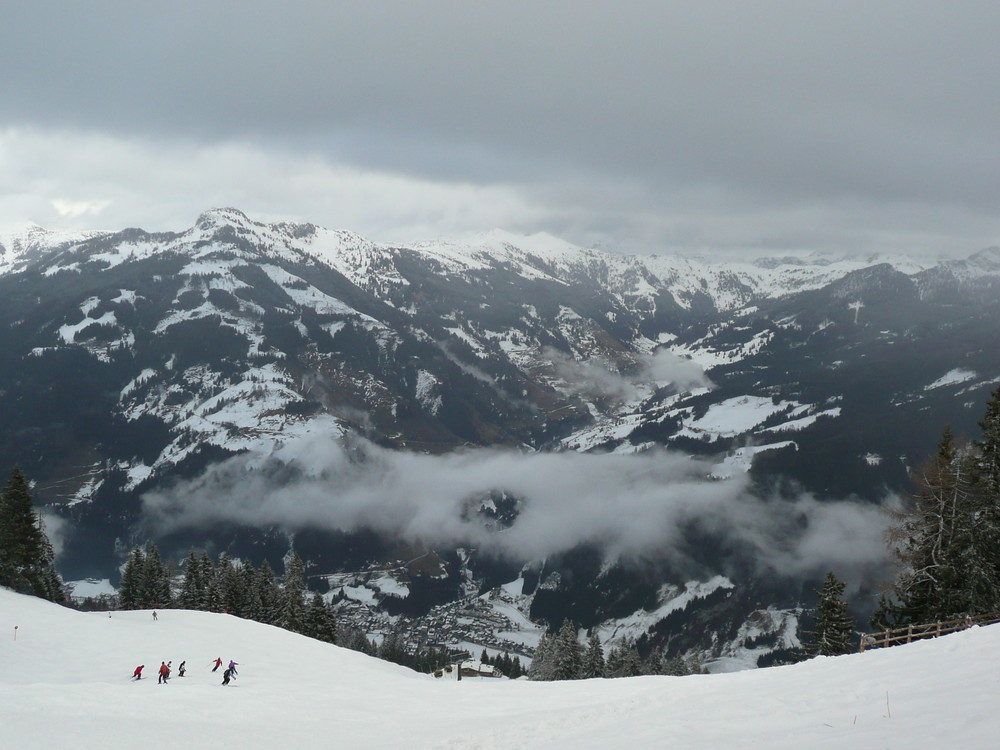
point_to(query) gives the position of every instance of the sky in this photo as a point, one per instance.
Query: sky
(635, 126)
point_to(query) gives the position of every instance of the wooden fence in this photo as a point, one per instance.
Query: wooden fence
(919, 632)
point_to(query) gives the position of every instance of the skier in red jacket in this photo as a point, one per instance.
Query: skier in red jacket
(137, 674)
(218, 663)
(164, 673)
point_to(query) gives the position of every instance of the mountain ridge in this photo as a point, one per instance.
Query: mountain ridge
(131, 362)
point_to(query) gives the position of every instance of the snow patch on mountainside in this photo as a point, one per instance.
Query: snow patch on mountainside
(732, 417)
(670, 599)
(952, 377)
(741, 459)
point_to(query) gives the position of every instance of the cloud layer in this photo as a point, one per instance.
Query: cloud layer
(648, 504)
(651, 126)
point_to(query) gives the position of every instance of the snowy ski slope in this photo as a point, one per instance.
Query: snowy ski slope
(65, 682)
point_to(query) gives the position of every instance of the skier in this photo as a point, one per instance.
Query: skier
(218, 663)
(181, 668)
(155, 618)
(164, 673)
(137, 674)
(232, 666)
(229, 674)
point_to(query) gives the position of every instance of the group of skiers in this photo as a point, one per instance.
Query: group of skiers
(230, 671)
(165, 669)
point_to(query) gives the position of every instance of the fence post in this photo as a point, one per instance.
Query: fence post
(909, 633)
(938, 635)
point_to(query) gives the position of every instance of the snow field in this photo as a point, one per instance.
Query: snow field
(65, 682)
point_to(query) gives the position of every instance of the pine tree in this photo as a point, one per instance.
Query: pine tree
(193, 586)
(392, 649)
(292, 608)
(543, 661)
(833, 633)
(988, 449)
(947, 543)
(253, 608)
(593, 660)
(319, 620)
(209, 598)
(130, 595)
(623, 660)
(567, 654)
(155, 586)
(47, 581)
(230, 586)
(269, 594)
(675, 666)
(22, 542)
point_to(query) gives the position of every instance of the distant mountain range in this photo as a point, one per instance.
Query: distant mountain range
(134, 365)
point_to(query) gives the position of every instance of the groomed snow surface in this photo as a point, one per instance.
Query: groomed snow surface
(65, 682)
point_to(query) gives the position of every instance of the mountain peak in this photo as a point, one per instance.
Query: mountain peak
(216, 217)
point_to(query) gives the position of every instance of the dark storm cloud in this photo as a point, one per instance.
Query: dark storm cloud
(850, 124)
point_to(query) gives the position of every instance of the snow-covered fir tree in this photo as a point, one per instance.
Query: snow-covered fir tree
(593, 659)
(833, 631)
(567, 656)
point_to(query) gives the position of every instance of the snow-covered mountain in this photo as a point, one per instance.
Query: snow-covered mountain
(130, 361)
(66, 681)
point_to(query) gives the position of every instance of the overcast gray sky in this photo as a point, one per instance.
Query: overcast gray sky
(638, 126)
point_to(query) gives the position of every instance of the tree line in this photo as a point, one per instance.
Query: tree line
(505, 664)
(237, 588)
(561, 656)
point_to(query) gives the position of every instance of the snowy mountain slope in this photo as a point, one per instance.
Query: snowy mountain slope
(131, 360)
(20, 248)
(66, 681)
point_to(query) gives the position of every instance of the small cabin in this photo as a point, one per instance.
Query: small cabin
(478, 669)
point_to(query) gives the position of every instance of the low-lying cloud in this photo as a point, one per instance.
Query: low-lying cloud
(648, 504)
(597, 378)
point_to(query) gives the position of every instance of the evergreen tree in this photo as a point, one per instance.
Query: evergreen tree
(193, 586)
(253, 608)
(214, 601)
(130, 594)
(208, 595)
(269, 594)
(543, 662)
(947, 542)
(47, 581)
(292, 607)
(20, 535)
(987, 468)
(392, 649)
(155, 585)
(230, 586)
(567, 654)
(26, 558)
(319, 620)
(593, 660)
(654, 662)
(623, 660)
(516, 668)
(833, 632)
(675, 666)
